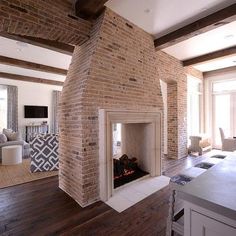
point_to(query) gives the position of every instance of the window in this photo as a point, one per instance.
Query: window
(3, 107)
(194, 106)
(224, 86)
(224, 109)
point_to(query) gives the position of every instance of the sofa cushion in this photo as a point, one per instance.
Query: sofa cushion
(11, 135)
(3, 138)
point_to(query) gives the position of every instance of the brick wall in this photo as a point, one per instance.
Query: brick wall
(52, 19)
(172, 120)
(116, 68)
(171, 71)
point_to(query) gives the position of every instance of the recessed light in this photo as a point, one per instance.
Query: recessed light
(21, 44)
(229, 36)
(221, 23)
(18, 49)
(147, 10)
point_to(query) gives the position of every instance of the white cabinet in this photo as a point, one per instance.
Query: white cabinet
(202, 222)
(204, 226)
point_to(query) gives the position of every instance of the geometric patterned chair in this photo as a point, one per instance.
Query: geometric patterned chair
(44, 153)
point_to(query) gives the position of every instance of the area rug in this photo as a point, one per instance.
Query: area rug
(18, 174)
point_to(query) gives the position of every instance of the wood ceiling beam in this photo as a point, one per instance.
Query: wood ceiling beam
(31, 65)
(44, 43)
(210, 56)
(210, 22)
(4, 75)
(89, 9)
(221, 71)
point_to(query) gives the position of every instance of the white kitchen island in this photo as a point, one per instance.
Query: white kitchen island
(210, 201)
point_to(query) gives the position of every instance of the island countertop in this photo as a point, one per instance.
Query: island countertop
(215, 189)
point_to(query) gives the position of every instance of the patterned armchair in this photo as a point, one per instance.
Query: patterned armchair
(44, 153)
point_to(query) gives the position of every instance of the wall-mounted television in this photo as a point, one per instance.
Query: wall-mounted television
(36, 111)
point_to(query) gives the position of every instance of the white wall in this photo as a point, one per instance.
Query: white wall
(32, 94)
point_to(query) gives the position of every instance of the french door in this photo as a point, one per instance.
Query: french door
(224, 116)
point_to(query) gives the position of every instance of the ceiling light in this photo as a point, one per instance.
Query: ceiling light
(18, 49)
(21, 44)
(147, 10)
(229, 36)
(221, 23)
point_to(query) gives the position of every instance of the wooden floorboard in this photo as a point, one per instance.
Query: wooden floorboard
(41, 208)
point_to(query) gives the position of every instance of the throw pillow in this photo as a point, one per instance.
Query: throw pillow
(7, 132)
(12, 136)
(3, 138)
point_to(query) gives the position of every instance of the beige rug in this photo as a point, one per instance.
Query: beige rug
(19, 174)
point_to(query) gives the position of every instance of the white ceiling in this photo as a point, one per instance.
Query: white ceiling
(32, 73)
(28, 52)
(159, 17)
(217, 64)
(214, 40)
(219, 38)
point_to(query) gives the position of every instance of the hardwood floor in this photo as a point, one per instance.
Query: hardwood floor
(40, 208)
(172, 167)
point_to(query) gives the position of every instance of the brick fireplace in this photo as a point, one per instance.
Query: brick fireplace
(118, 68)
(141, 138)
(114, 70)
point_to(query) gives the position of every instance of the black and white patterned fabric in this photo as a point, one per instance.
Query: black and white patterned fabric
(181, 179)
(44, 153)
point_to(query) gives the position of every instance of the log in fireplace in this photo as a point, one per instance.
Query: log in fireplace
(126, 170)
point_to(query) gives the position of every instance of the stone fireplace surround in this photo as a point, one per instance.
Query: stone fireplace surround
(150, 124)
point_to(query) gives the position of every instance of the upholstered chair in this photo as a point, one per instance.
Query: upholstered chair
(228, 144)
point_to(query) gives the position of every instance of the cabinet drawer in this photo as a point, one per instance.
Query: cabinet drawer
(202, 225)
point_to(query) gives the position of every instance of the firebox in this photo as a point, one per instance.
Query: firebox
(130, 152)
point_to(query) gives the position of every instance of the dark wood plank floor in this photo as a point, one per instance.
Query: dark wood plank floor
(41, 208)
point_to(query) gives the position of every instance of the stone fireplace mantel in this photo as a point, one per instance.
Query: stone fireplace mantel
(153, 133)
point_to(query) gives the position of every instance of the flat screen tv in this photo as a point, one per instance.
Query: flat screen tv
(36, 112)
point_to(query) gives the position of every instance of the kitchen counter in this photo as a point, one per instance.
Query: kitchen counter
(215, 189)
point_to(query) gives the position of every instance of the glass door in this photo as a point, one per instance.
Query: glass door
(224, 110)
(222, 117)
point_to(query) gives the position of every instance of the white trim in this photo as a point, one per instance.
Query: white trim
(106, 118)
(209, 103)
